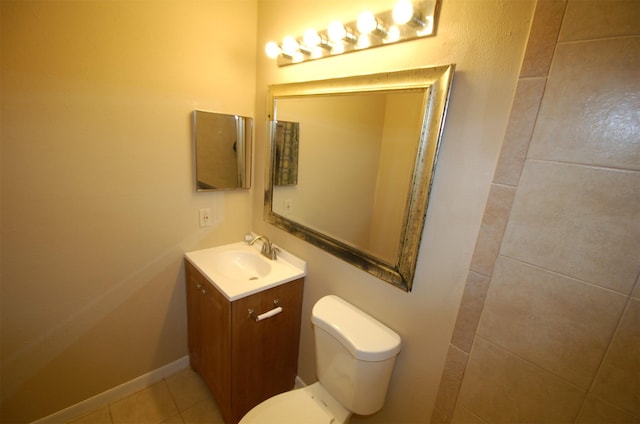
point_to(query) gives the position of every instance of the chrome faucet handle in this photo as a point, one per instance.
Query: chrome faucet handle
(256, 238)
(268, 250)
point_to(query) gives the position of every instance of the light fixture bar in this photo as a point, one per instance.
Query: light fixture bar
(384, 31)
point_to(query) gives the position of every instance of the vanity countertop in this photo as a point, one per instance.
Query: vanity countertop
(238, 270)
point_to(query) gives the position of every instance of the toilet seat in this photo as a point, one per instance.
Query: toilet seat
(296, 406)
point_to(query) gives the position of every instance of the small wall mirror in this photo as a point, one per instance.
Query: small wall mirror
(352, 162)
(223, 146)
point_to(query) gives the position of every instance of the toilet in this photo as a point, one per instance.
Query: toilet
(355, 355)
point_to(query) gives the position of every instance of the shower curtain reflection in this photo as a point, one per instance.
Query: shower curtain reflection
(287, 141)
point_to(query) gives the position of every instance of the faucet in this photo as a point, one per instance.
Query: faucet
(268, 250)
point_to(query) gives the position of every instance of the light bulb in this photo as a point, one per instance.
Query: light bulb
(316, 52)
(272, 49)
(290, 46)
(393, 35)
(311, 38)
(363, 42)
(367, 22)
(338, 48)
(402, 12)
(297, 57)
(336, 31)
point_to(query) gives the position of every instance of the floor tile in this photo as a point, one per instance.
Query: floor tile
(176, 419)
(101, 416)
(205, 411)
(152, 405)
(187, 388)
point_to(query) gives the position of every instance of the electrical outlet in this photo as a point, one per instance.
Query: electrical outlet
(205, 217)
(288, 206)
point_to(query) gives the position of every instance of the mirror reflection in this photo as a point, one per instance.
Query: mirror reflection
(287, 141)
(366, 148)
(223, 151)
(358, 151)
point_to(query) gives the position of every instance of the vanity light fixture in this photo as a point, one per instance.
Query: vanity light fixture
(408, 20)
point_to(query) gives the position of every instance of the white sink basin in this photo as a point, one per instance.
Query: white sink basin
(240, 264)
(238, 270)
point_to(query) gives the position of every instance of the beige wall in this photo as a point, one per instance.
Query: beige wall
(558, 337)
(98, 201)
(486, 40)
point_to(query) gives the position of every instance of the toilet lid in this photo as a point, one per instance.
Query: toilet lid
(296, 406)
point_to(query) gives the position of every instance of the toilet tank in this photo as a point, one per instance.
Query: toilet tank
(355, 354)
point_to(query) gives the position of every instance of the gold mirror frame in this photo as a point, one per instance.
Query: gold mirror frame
(436, 83)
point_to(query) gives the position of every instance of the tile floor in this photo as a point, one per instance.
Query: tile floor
(181, 398)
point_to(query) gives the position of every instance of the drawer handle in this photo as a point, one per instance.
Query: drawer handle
(268, 314)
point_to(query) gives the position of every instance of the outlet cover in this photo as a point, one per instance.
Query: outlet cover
(205, 217)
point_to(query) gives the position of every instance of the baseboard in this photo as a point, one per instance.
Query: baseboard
(299, 384)
(118, 392)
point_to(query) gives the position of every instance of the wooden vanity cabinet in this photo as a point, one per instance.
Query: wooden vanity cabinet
(243, 362)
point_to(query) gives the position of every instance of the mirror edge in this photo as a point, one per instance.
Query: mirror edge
(437, 81)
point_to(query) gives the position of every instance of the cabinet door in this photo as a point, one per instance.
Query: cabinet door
(216, 337)
(209, 328)
(194, 312)
(265, 354)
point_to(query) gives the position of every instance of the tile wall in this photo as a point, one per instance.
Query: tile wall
(548, 330)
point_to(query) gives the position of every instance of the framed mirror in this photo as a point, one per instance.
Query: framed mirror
(364, 150)
(223, 146)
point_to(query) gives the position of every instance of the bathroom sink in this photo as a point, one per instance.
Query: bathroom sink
(238, 270)
(241, 265)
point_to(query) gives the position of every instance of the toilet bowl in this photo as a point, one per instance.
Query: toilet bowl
(355, 355)
(309, 405)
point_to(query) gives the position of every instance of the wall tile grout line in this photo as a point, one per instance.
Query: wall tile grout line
(585, 165)
(576, 279)
(607, 352)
